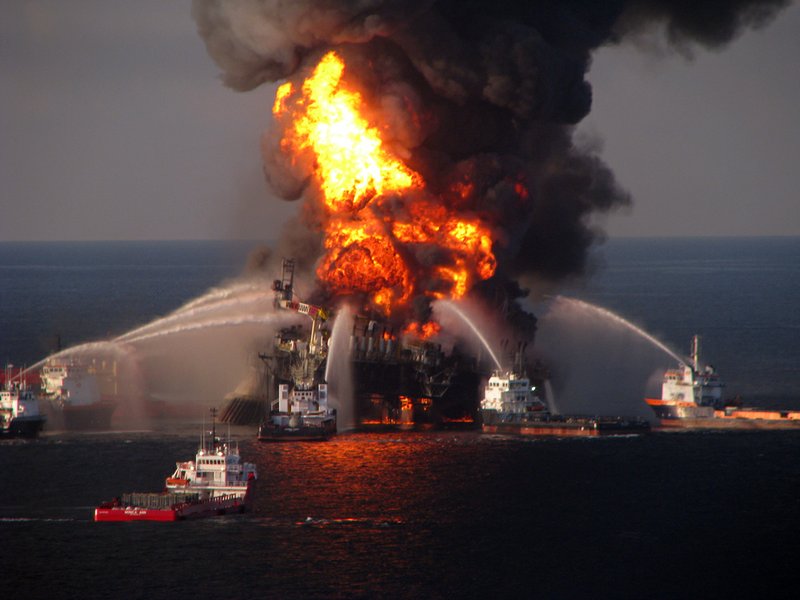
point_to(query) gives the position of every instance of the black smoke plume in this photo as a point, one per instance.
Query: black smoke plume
(484, 90)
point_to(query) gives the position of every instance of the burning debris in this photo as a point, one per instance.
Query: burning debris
(431, 141)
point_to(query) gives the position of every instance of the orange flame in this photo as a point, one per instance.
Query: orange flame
(352, 164)
(422, 330)
(361, 258)
(369, 249)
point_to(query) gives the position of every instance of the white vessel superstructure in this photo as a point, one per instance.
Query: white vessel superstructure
(73, 396)
(512, 406)
(215, 483)
(217, 470)
(510, 396)
(19, 411)
(70, 383)
(692, 397)
(301, 411)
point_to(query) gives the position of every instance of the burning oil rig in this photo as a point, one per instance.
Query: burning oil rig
(398, 380)
(433, 152)
(403, 380)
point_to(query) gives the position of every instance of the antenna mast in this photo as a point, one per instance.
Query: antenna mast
(213, 428)
(696, 353)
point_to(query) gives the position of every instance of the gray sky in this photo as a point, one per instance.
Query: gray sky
(115, 126)
(708, 146)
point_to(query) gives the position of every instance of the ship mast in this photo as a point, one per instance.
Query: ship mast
(696, 353)
(213, 428)
(314, 353)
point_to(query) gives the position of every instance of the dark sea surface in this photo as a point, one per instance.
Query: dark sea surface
(75, 292)
(434, 514)
(742, 295)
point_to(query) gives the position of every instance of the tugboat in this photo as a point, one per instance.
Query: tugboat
(215, 483)
(301, 411)
(73, 397)
(19, 410)
(692, 398)
(511, 405)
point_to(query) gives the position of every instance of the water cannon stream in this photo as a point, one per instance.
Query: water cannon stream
(451, 306)
(604, 312)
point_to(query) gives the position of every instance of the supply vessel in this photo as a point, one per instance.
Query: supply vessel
(692, 397)
(72, 397)
(215, 483)
(300, 412)
(513, 405)
(19, 407)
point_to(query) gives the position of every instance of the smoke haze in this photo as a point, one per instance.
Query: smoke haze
(482, 95)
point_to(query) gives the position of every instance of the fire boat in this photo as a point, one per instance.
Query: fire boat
(513, 405)
(19, 408)
(215, 483)
(73, 398)
(692, 397)
(301, 411)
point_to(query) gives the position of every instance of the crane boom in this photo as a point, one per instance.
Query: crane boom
(284, 295)
(315, 312)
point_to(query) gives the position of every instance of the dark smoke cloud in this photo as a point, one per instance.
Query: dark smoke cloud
(484, 90)
(711, 23)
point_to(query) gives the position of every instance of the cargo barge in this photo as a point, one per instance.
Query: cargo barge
(692, 398)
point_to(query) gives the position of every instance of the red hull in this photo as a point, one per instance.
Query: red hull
(134, 514)
(191, 511)
(228, 504)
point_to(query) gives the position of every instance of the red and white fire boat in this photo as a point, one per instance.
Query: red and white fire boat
(215, 483)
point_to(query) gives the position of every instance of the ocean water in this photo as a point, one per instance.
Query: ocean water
(420, 514)
(66, 293)
(416, 515)
(741, 295)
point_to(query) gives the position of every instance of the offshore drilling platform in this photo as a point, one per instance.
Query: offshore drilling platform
(400, 380)
(397, 379)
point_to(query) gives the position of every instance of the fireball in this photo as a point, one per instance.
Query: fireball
(371, 247)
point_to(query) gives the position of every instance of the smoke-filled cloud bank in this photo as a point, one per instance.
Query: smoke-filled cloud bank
(478, 100)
